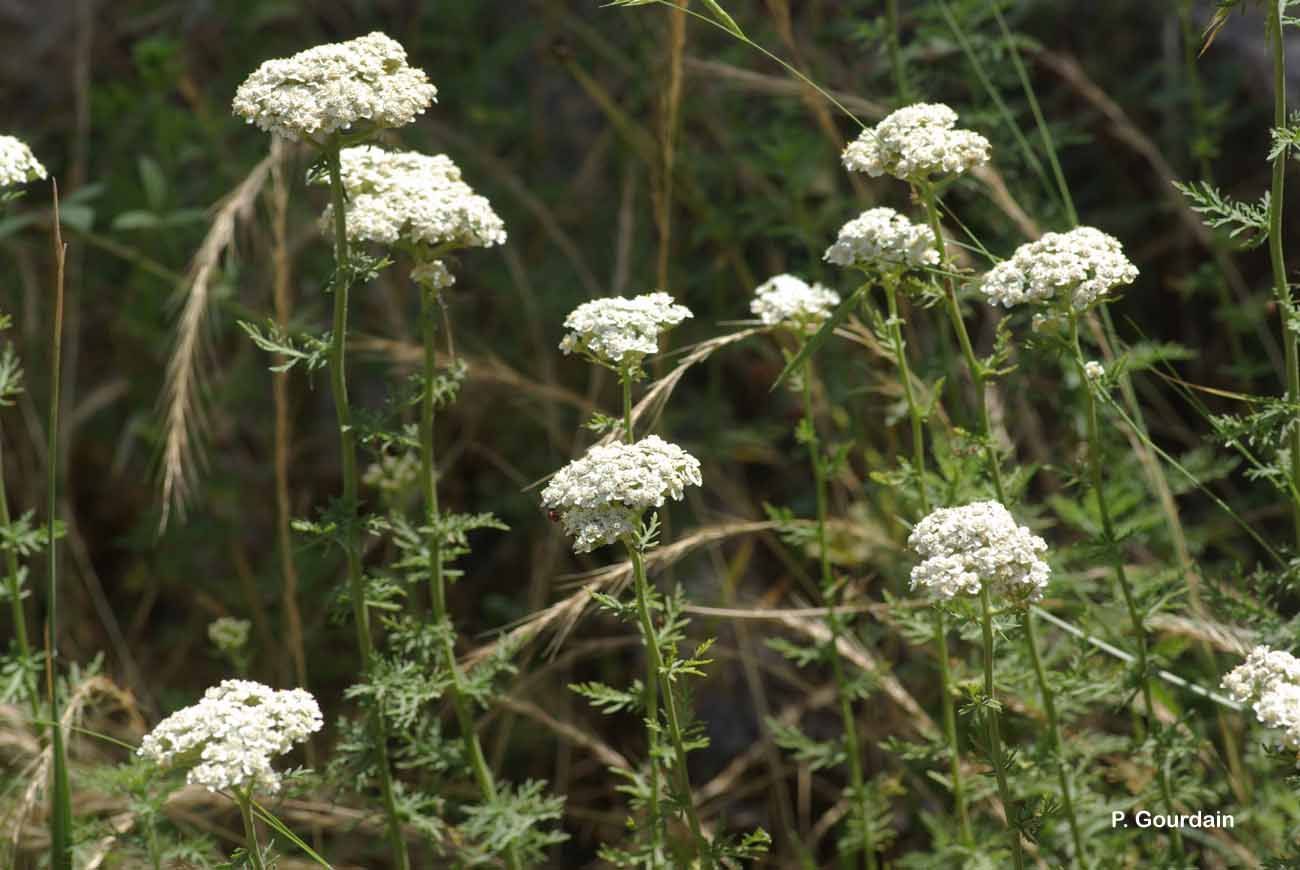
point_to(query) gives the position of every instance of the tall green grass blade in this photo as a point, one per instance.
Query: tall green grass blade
(812, 344)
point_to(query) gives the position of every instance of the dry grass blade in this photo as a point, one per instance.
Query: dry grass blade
(564, 614)
(182, 389)
(652, 403)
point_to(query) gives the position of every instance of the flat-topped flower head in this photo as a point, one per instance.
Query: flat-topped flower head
(1077, 268)
(916, 143)
(978, 544)
(618, 332)
(228, 739)
(790, 301)
(18, 165)
(1269, 680)
(332, 87)
(414, 198)
(602, 497)
(882, 240)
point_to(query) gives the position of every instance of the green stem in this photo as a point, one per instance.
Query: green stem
(348, 453)
(1054, 734)
(940, 628)
(848, 721)
(437, 584)
(1281, 287)
(994, 730)
(60, 793)
(651, 640)
(973, 367)
(895, 52)
(250, 832)
(1121, 574)
(13, 578)
(652, 670)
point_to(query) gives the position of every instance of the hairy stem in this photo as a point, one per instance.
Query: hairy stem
(940, 626)
(651, 640)
(348, 454)
(250, 832)
(651, 674)
(834, 622)
(993, 730)
(437, 585)
(1054, 734)
(1095, 460)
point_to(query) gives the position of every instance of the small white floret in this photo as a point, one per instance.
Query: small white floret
(882, 239)
(620, 332)
(787, 300)
(18, 165)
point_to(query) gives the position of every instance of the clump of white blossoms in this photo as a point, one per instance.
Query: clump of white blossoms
(883, 239)
(331, 87)
(412, 197)
(228, 634)
(978, 544)
(1093, 370)
(1269, 680)
(1077, 268)
(228, 739)
(915, 143)
(18, 165)
(787, 300)
(618, 332)
(601, 497)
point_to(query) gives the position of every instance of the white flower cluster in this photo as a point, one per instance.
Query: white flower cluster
(227, 739)
(413, 197)
(600, 498)
(978, 544)
(229, 635)
(18, 165)
(331, 87)
(1078, 267)
(787, 300)
(1269, 680)
(881, 238)
(1093, 370)
(619, 332)
(916, 142)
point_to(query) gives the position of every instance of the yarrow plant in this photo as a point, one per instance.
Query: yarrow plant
(915, 143)
(1076, 269)
(227, 741)
(18, 165)
(330, 88)
(790, 301)
(602, 498)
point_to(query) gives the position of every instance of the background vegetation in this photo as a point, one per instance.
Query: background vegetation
(629, 150)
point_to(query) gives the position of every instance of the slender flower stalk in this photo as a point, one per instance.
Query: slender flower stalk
(651, 694)
(251, 847)
(890, 281)
(1121, 574)
(650, 635)
(834, 622)
(348, 454)
(13, 580)
(1281, 284)
(437, 586)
